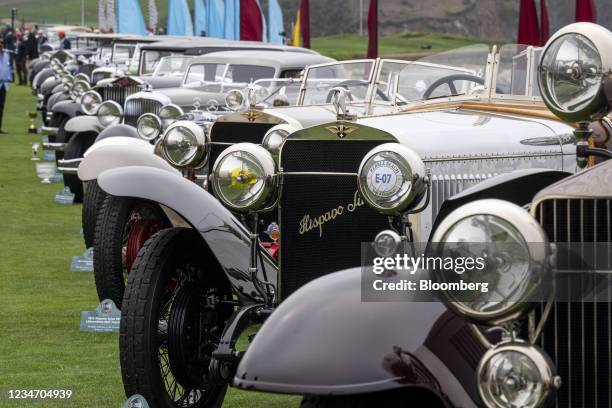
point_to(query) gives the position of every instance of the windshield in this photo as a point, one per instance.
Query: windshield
(517, 70)
(457, 72)
(122, 52)
(352, 75)
(150, 59)
(216, 77)
(277, 92)
(172, 66)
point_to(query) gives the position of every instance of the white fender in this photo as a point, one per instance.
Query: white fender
(120, 141)
(114, 156)
(84, 124)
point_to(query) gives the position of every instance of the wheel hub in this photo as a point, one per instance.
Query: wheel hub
(140, 232)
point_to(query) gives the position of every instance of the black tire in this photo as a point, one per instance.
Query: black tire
(110, 235)
(169, 262)
(401, 397)
(92, 201)
(75, 149)
(61, 137)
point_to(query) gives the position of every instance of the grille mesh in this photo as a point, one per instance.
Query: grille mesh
(117, 94)
(223, 132)
(315, 253)
(134, 108)
(578, 335)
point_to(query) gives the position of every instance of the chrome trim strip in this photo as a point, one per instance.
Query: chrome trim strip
(492, 157)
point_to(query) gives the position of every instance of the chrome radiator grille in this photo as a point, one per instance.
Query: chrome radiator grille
(578, 335)
(117, 94)
(444, 186)
(136, 107)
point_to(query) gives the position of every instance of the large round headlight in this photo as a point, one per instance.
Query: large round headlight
(81, 76)
(109, 113)
(185, 144)
(79, 88)
(90, 101)
(149, 126)
(168, 114)
(275, 137)
(391, 178)
(234, 99)
(574, 66)
(516, 374)
(67, 81)
(509, 252)
(243, 177)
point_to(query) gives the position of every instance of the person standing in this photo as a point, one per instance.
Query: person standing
(21, 57)
(6, 76)
(64, 41)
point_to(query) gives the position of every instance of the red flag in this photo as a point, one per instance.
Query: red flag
(585, 11)
(544, 24)
(305, 22)
(251, 24)
(529, 31)
(373, 29)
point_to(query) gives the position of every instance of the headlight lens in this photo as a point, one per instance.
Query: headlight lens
(234, 99)
(275, 137)
(168, 115)
(149, 126)
(110, 113)
(185, 144)
(67, 81)
(516, 374)
(90, 101)
(571, 73)
(515, 260)
(243, 177)
(79, 88)
(391, 178)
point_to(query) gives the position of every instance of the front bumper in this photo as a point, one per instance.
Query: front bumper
(69, 166)
(49, 130)
(53, 146)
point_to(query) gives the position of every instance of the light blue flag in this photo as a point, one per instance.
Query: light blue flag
(200, 17)
(264, 25)
(215, 18)
(232, 20)
(129, 18)
(275, 23)
(179, 18)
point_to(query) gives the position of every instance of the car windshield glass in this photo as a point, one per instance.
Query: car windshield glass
(277, 92)
(106, 53)
(172, 66)
(150, 59)
(351, 75)
(122, 53)
(217, 77)
(517, 70)
(456, 72)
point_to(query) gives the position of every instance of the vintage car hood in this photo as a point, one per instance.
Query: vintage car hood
(592, 183)
(304, 116)
(454, 133)
(160, 82)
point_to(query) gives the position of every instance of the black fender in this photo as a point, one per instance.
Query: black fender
(324, 340)
(47, 86)
(57, 98)
(118, 130)
(68, 108)
(225, 236)
(518, 187)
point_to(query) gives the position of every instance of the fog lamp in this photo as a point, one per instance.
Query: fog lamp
(516, 374)
(386, 243)
(275, 137)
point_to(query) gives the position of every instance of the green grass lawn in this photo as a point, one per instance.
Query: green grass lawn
(41, 300)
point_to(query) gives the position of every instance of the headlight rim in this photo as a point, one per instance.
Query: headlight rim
(543, 363)
(529, 230)
(265, 160)
(418, 172)
(235, 92)
(157, 122)
(95, 109)
(265, 142)
(178, 112)
(202, 155)
(118, 108)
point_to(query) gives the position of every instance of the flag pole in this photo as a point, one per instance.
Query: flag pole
(361, 18)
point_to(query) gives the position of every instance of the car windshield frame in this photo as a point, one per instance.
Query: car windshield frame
(223, 84)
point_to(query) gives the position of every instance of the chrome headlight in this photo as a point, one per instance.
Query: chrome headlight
(185, 144)
(82, 77)
(90, 101)
(391, 178)
(149, 126)
(234, 99)
(67, 82)
(515, 260)
(79, 88)
(110, 113)
(516, 374)
(574, 67)
(244, 177)
(168, 114)
(275, 137)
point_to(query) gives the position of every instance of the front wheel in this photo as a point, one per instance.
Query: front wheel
(172, 318)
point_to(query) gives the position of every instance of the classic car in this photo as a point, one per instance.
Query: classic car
(539, 337)
(277, 218)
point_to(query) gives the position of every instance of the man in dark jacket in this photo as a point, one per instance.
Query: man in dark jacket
(32, 46)
(21, 57)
